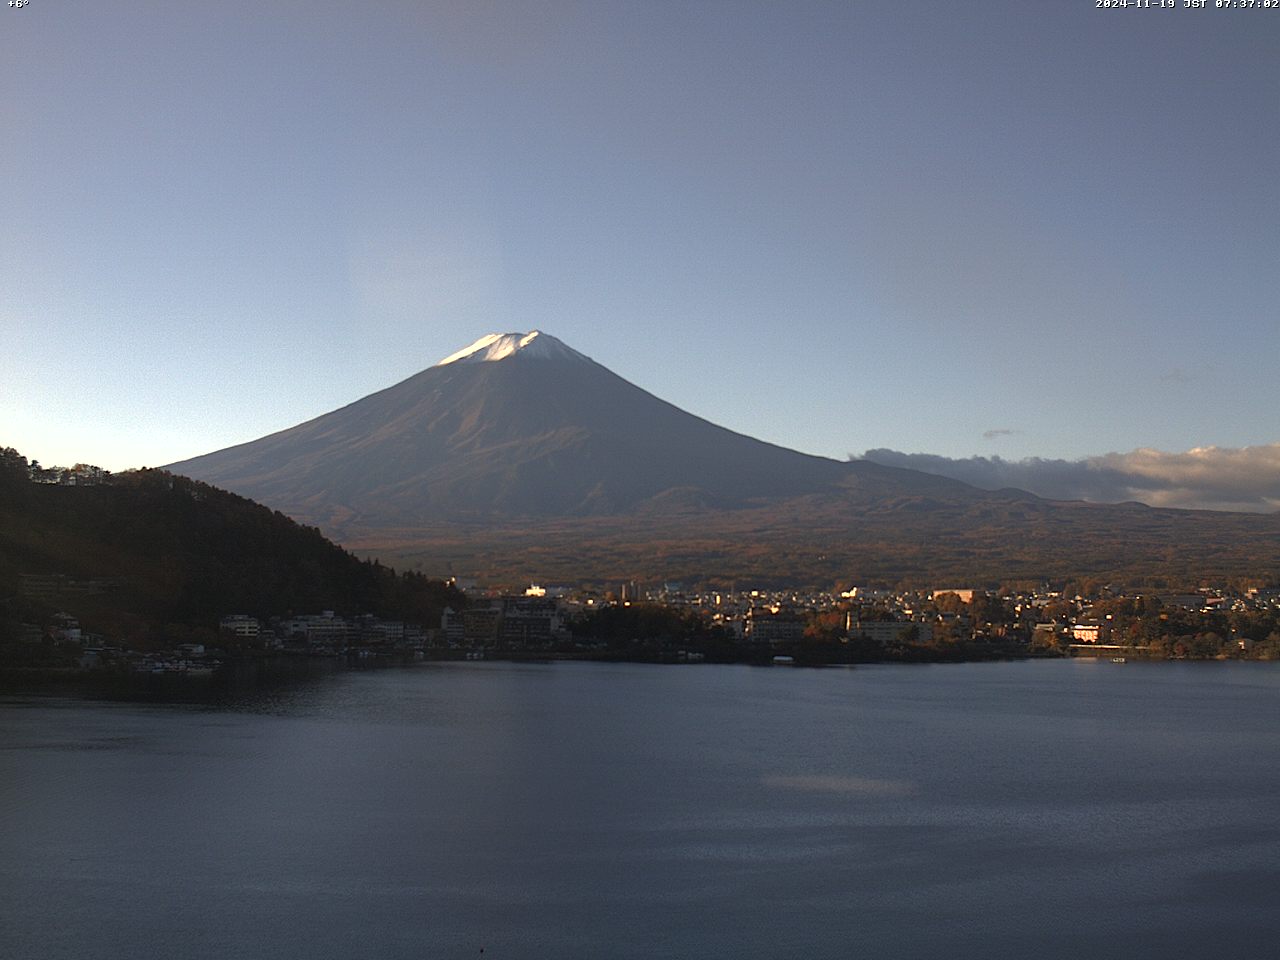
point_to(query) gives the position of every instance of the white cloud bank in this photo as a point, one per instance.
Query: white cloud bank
(1206, 478)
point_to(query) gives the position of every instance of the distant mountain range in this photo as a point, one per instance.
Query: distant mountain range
(521, 457)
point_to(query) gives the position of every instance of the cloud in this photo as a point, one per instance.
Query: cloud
(1205, 478)
(998, 432)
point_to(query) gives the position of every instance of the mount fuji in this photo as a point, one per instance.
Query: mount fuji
(519, 426)
(520, 456)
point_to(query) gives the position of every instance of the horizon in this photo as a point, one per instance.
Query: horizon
(957, 241)
(1199, 479)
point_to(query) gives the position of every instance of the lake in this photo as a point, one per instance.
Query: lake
(1060, 809)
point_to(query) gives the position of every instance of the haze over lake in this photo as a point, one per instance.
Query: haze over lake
(1048, 809)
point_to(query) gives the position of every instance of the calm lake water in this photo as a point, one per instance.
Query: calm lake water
(1044, 809)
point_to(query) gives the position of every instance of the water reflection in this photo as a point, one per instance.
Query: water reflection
(625, 811)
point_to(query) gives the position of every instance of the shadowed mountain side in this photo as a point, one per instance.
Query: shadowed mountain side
(524, 438)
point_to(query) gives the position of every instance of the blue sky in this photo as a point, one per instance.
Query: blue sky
(996, 229)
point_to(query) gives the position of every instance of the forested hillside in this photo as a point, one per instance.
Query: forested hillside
(146, 551)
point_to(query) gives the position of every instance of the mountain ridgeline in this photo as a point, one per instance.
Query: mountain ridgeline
(519, 457)
(524, 435)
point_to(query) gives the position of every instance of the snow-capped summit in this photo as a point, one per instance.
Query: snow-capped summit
(534, 345)
(519, 426)
(555, 463)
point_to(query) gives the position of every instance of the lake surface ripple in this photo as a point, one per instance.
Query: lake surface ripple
(1041, 809)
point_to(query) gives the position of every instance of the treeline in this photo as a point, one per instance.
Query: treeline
(615, 623)
(163, 551)
(654, 631)
(1176, 632)
(15, 465)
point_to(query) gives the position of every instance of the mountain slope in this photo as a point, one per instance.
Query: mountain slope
(518, 457)
(521, 433)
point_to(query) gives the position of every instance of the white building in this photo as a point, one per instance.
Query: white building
(246, 628)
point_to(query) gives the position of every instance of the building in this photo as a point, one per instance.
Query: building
(326, 629)
(480, 625)
(773, 625)
(1086, 631)
(243, 627)
(372, 631)
(452, 627)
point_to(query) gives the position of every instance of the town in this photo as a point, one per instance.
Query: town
(666, 623)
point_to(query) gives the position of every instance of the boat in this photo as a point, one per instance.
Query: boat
(1117, 660)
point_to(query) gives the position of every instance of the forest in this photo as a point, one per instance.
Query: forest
(147, 555)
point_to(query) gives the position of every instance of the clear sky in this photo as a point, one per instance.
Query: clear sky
(997, 228)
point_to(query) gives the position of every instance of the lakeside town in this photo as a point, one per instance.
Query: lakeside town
(667, 623)
(70, 623)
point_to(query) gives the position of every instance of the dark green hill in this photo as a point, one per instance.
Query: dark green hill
(145, 552)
